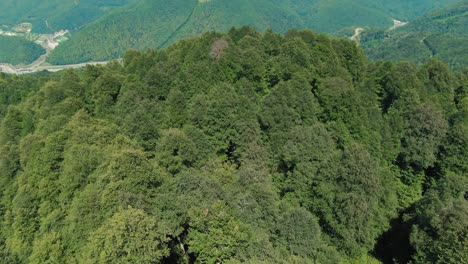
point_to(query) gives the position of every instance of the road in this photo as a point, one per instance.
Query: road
(37, 67)
(357, 32)
(8, 68)
(397, 24)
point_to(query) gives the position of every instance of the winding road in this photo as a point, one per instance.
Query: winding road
(357, 32)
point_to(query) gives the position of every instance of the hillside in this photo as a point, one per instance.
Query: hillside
(157, 23)
(441, 34)
(243, 147)
(16, 50)
(54, 15)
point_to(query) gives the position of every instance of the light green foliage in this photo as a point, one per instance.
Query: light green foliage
(128, 236)
(215, 236)
(48, 249)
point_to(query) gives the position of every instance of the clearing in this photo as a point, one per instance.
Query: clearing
(357, 32)
(397, 24)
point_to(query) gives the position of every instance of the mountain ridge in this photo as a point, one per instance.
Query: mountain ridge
(151, 26)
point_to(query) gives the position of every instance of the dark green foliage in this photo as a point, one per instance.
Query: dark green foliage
(226, 148)
(299, 232)
(425, 129)
(16, 50)
(440, 233)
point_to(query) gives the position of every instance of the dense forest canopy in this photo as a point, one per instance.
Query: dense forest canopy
(16, 50)
(231, 148)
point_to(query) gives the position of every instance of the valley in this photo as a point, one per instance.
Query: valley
(47, 41)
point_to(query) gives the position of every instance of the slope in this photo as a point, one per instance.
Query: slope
(16, 50)
(234, 148)
(441, 34)
(152, 24)
(53, 15)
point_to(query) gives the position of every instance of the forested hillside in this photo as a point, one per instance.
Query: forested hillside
(16, 50)
(157, 23)
(236, 148)
(442, 34)
(54, 15)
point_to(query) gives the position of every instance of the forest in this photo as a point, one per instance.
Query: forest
(242, 147)
(17, 50)
(54, 15)
(441, 34)
(152, 24)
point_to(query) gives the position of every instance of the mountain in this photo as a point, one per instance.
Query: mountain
(243, 147)
(157, 23)
(441, 34)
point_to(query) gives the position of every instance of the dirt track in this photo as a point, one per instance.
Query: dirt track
(357, 32)
(397, 24)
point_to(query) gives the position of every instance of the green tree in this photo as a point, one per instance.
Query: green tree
(176, 108)
(215, 235)
(300, 232)
(425, 129)
(128, 236)
(363, 203)
(440, 231)
(105, 92)
(47, 249)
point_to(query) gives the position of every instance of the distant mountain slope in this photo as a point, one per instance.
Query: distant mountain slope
(442, 34)
(16, 50)
(156, 23)
(52, 15)
(409, 10)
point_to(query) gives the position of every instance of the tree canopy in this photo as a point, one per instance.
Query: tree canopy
(286, 148)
